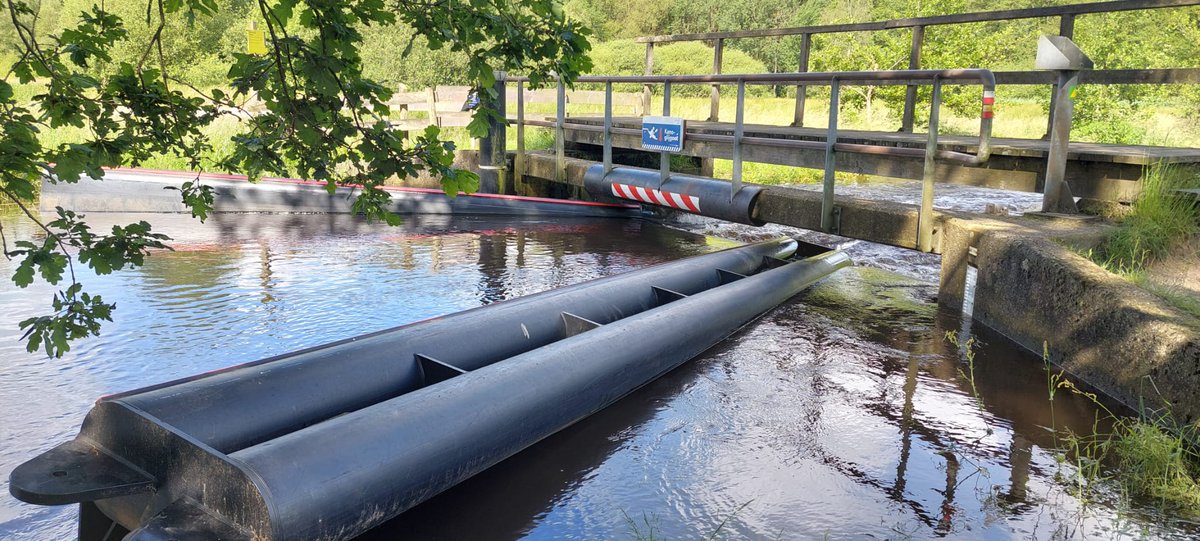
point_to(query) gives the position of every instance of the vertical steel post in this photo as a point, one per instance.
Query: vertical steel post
(560, 150)
(714, 108)
(925, 215)
(802, 90)
(1057, 196)
(739, 128)
(493, 147)
(910, 93)
(830, 157)
(608, 97)
(664, 158)
(519, 159)
(1066, 28)
(648, 72)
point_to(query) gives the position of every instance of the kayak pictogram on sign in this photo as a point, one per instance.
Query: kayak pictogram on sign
(662, 133)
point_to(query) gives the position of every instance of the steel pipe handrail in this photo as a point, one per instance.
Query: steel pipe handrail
(857, 148)
(983, 77)
(831, 146)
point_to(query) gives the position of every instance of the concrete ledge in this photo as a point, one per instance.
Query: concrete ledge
(1103, 330)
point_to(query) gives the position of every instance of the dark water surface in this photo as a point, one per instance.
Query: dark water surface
(842, 415)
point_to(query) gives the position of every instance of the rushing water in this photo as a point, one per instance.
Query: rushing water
(843, 414)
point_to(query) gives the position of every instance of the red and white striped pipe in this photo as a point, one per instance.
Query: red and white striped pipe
(679, 201)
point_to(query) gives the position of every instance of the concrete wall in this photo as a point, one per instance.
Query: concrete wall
(1103, 330)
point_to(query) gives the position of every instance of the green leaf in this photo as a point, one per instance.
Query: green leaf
(478, 128)
(23, 275)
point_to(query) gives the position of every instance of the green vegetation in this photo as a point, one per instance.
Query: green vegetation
(156, 82)
(1159, 221)
(1159, 218)
(624, 57)
(1150, 458)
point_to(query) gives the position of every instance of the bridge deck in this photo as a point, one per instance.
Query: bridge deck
(1100, 171)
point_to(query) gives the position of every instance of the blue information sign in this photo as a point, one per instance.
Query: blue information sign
(662, 133)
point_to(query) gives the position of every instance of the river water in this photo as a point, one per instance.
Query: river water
(844, 414)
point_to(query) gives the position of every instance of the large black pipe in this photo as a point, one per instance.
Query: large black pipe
(328, 442)
(350, 374)
(340, 478)
(234, 408)
(697, 195)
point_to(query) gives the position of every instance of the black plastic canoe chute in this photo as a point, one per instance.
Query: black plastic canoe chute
(328, 442)
(697, 195)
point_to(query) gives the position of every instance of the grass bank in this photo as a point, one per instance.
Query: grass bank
(1160, 227)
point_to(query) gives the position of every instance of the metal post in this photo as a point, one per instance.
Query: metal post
(714, 108)
(493, 147)
(830, 157)
(802, 90)
(648, 71)
(519, 159)
(738, 131)
(925, 216)
(608, 90)
(664, 158)
(1066, 28)
(560, 151)
(1057, 197)
(910, 94)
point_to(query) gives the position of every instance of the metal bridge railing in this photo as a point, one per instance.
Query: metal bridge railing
(831, 146)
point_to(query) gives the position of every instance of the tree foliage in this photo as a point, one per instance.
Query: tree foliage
(118, 72)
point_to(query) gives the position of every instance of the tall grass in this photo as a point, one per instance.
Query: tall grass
(1149, 458)
(1160, 217)
(1159, 220)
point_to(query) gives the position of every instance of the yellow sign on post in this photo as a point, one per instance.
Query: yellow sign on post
(256, 41)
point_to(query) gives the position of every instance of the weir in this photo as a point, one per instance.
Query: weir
(328, 442)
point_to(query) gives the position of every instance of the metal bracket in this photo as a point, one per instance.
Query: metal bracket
(74, 472)
(573, 324)
(664, 295)
(771, 262)
(436, 371)
(835, 226)
(728, 277)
